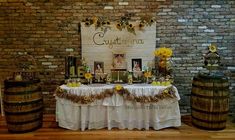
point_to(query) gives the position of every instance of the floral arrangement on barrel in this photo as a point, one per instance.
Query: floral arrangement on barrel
(212, 58)
(164, 64)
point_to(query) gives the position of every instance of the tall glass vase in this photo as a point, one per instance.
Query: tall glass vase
(164, 66)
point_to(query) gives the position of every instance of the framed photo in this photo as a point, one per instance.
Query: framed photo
(137, 69)
(136, 64)
(119, 61)
(98, 67)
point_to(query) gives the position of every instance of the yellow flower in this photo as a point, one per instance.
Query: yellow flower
(212, 48)
(141, 25)
(88, 75)
(165, 91)
(94, 19)
(118, 87)
(168, 52)
(147, 74)
(163, 52)
(119, 26)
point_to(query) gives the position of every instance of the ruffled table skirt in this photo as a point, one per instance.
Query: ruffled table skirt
(128, 115)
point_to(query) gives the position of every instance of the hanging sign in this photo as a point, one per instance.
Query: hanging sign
(105, 43)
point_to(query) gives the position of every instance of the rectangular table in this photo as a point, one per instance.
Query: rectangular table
(135, 107)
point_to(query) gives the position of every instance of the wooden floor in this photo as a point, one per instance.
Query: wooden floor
(51, 131)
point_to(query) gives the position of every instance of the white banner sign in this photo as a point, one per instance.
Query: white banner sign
(100, 45)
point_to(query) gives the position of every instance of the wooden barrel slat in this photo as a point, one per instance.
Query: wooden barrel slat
(210, 102)
(27, 127)
(20, 90)
(23, 105)
(22, 118)
(23, 98)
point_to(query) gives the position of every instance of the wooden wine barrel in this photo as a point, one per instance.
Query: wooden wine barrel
(210, 102)
(23, 105)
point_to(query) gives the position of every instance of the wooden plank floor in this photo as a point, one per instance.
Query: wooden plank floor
(51, 131)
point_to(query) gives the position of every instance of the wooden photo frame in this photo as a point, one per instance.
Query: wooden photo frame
(119, 61)
(136, 69)
(136, 64)
(98, 67)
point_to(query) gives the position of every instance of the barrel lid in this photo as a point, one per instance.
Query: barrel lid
(214, 75)
(13, 83)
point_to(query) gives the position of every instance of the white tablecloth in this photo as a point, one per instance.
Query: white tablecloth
(115, 111)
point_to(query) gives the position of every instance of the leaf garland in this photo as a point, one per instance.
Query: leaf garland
(87, 99)
(104, 23)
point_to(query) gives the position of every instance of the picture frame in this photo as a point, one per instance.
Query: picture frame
(98, 67)
(119, 61)
(99, 72)
(136, 66)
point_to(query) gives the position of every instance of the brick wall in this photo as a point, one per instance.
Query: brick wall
(49, 30)
(189, 27)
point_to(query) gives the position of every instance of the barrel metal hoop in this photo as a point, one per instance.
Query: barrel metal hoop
(23, 103)
(208, 113)
(207, 128)
(23, 113)
(25, 122)
(11, 83)
(207, 121)
(22, 93)
(212, 87)
(210, 97)
(25, 131)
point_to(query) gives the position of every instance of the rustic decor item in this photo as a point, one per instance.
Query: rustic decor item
(210, 94)
(25, 68)
(212, 58)
(210, 101)
(23, 105)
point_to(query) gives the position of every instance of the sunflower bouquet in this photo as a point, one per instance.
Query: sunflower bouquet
(147, 75)
(163, 52)
(164, 64)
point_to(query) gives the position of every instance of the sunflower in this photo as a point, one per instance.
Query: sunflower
(157, 53)
(141, 25)
(147, 74)
(168, 52)
(94, 20)
(163, 52)
(108, 22)
(119, 26)
(212, 48)
(87, 23)
(88, 75)
(118, 87)
(165, 91)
